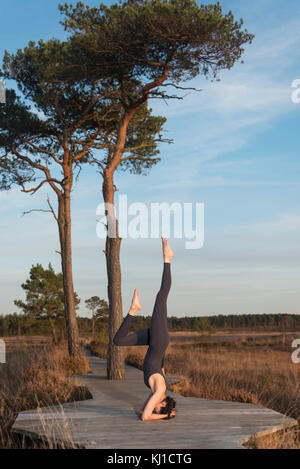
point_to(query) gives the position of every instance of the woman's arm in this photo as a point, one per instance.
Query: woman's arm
(157, 416)
(144, 405)
(153, 401)
(161, 416)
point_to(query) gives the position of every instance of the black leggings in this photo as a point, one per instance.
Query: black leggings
(157, 336)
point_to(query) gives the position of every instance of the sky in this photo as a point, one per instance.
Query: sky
(235, 150)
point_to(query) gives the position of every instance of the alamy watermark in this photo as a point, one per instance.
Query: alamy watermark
(295, 96)
(2, 92)
(296, 353)
(2, 351)
(182, 220)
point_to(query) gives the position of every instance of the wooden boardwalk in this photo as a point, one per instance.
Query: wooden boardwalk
(109, 419)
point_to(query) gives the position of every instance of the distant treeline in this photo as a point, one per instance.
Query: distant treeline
(282, 322)
(20, 324)
(270, 322)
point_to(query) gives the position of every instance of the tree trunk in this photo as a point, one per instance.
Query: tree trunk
(64, 226)
(54, 335)
(93, 325)
(115, 361)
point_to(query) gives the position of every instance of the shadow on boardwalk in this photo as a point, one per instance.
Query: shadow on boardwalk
(109, 420)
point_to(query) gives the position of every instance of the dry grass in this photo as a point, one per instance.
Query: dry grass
(286, 439)
(259, 375)
(33, 378)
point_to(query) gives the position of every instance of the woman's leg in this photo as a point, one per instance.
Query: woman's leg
(159, 334)
(140, 337)
(137, 338)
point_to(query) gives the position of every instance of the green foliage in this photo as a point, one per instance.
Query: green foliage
(44, 294)
(102, 335)
(80, 116)
(203, 324)
(139, 37)
(98, 307)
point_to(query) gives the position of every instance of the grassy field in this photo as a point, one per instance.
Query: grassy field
(35, 375)
(253, 369)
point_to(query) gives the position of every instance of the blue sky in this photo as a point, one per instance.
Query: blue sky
(235, 149)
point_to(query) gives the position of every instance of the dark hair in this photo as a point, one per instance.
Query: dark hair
(170, 405)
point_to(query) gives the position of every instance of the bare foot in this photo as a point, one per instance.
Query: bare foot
(167, 251)
(135, 303)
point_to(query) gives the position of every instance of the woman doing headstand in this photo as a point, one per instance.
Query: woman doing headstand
(157, 337)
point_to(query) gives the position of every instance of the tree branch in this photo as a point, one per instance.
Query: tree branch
(180, 87)
(94, 160)
(35, 210)
(51, 209)
(87, 146)
(41, 168)
(42, 150)
(34, 189)
(153, 84)
(42, 210)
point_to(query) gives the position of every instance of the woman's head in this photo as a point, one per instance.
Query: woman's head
(167, 405)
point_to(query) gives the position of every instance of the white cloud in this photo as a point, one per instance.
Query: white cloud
(235, 96)
(276, 46)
